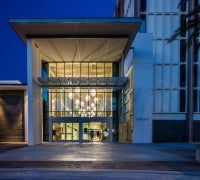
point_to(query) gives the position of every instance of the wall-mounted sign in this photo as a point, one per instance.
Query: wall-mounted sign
(141, 119)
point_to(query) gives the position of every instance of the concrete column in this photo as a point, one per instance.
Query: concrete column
(34, 95)
(143, 88)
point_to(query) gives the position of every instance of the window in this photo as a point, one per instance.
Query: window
(68, 69)
(182, 24)
(92, 70)
(77, 101)
(182, 100)
(143, 5)
(182, 50)
(182, 75)
(195, 102)
(183, 5)
(76, 70)
(60, 70)
(84, 69)
(195, 74)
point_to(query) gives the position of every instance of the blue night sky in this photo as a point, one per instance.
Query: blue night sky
(13, 51)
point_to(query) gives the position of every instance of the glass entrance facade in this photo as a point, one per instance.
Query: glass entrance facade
(79, 102)
(70, 105)
(81, 131)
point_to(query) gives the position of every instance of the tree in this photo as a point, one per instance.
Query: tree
(192, 28)
(192, 23)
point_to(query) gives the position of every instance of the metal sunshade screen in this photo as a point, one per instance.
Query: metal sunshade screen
(107, 82)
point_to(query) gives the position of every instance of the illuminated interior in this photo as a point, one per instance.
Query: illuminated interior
(63, 131)
(80, 102)
(70, 69)
(68, 102)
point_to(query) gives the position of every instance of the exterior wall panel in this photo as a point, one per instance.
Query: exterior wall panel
(34, 95)
(12, 116)
(162, 18)
(143, 85)
(169, 131)
(196, 127)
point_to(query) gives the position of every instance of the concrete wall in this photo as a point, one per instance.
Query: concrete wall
(34, 95)
(12, 116)
(126, 128)
(143, 88)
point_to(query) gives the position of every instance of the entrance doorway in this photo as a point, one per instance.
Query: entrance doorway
(65, 131)
(95, 131)
(81, 130)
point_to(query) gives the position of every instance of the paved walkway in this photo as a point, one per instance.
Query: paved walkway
(101, 152)
(161, 157)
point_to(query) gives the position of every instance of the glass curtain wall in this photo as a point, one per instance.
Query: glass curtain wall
(80, 102)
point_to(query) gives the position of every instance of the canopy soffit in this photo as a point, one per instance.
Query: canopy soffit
(79, 39)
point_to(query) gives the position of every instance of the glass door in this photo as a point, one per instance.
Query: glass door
(72, 131)
(58, 131)
(95, 131)
(65, 131)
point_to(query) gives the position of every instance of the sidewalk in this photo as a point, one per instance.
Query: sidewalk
(170, 158)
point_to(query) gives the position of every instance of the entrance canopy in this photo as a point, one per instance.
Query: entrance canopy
(79, 39)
